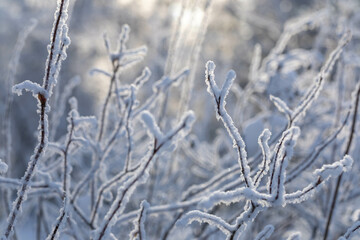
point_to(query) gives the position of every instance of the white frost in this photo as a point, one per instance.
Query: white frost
(335, 169)
(265, 233)
(151, 125)
(29, 86)
(3, 167)
(281, 106)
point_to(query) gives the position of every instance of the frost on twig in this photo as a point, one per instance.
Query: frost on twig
(30, 86)
(335, 169)
(322, 175)
(281, 106)
(123, 56)
(354, 230)
(138, 233)
(296, 171)
(151, 125)
(143, 78)
(99, 71)
(297, 25)
(159, 88)
(325, 71)
(161, 141)
(221, 113)
(121, 59)
(60, 103)
(284, 150)
(211, 219)
(126, 155)
(265, 233)
(228, 197)
(57, 52)
(167, 139)
(165, 82)
(59, 42)
(265, 150)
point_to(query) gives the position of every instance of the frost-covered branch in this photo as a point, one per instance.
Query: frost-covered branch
(219, 97)
(199, 216)
(125, 191)
(120, 59)
(73, 120)
(265, 233)
(355, 106)
(322, 175)
(139, 224)
(265, 149)
(351, 232)
(58, 37)
(325, 71)
(314, 155)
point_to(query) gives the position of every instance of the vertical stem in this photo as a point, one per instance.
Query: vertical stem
(338, 182)
(103, 113)
(28, 174)
(43, 123)
(116, 67)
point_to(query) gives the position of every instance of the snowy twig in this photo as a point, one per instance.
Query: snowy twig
(58, 37)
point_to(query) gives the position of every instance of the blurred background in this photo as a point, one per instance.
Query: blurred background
(234, 28)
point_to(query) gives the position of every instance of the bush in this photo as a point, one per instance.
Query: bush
(280, 162)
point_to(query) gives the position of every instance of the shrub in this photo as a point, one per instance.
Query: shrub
(282, 161)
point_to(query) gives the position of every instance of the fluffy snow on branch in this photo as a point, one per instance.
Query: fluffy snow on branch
(323, 174)
(265, 233)
(150, 122)
(29, 86)
(265, 149)
(65, 41)
(234, 196)
(335, 169)
(3, 167)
